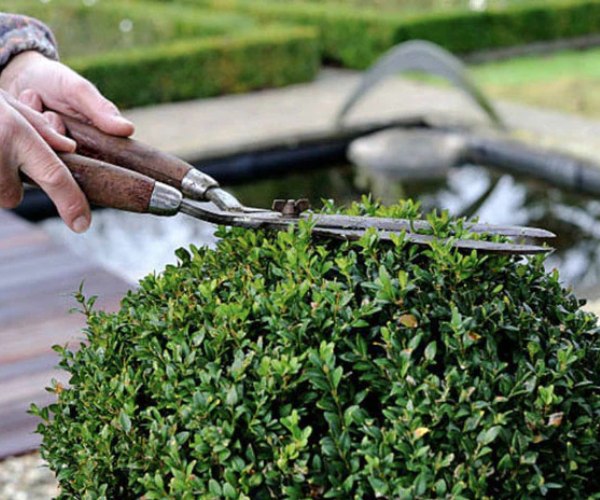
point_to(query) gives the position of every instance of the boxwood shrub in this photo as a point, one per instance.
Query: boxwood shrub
(356, 36)
(284, 365)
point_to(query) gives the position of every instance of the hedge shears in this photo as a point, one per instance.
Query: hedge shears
(126, 174)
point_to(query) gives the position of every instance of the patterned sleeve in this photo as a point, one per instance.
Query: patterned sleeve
(21, 33)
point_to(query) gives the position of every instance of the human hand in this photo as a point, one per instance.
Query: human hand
(28, 140)
(43, 83)
(31, 83)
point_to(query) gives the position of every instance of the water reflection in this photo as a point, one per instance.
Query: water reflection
(132, 245)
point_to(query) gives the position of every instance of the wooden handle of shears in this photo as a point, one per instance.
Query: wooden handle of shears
(127, 153)
(110, 186)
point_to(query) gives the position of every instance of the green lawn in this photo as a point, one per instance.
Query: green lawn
(567, 81)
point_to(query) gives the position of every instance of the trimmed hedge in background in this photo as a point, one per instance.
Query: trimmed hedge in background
(131, 64)
(110, 26)
(182, 70)
(356, 37)
(141, 53)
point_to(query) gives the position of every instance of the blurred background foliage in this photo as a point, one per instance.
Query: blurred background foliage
(142, 52)
(84, 29)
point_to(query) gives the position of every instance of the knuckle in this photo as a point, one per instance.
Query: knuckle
(15, 136)
(71, 204)
(54, 176)
(43, 127)
(82, 86)
(54, 122)
(74, 208)
(108, 106)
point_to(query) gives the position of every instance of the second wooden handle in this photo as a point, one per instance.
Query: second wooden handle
(110, 186)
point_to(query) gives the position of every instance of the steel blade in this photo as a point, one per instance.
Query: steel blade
(425, 239)
(389, 224)
(353, 227)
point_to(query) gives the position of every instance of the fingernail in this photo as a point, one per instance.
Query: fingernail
(122, 119)
(81, 224)
(72, 143)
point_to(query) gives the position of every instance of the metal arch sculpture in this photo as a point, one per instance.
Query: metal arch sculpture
(420, 55)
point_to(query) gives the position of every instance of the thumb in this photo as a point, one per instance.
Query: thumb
(90, 103)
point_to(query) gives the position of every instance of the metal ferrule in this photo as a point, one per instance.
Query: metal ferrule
(165, 200)
(195, 184)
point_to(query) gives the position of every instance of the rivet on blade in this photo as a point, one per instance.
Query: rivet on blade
(291, 208)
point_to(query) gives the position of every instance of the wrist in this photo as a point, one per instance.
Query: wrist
(12, 76)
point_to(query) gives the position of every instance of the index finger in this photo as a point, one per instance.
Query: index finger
(40, 163)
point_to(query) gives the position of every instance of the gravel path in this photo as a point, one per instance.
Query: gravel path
(26, 478)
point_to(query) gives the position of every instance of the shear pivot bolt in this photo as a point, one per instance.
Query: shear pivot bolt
(291, 208)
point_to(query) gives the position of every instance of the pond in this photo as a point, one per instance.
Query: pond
(134, 245)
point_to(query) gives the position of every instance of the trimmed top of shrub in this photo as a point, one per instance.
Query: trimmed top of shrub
(280, 365)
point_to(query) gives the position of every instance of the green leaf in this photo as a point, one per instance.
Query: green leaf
(529, 458)
(379, 486)
(124, 421)
(430, 350)
(214, 488)
(487, 436)
(232, 397)
(229, 491)
(336, 376)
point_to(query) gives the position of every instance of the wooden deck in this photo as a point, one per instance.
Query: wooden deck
(37, 279)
